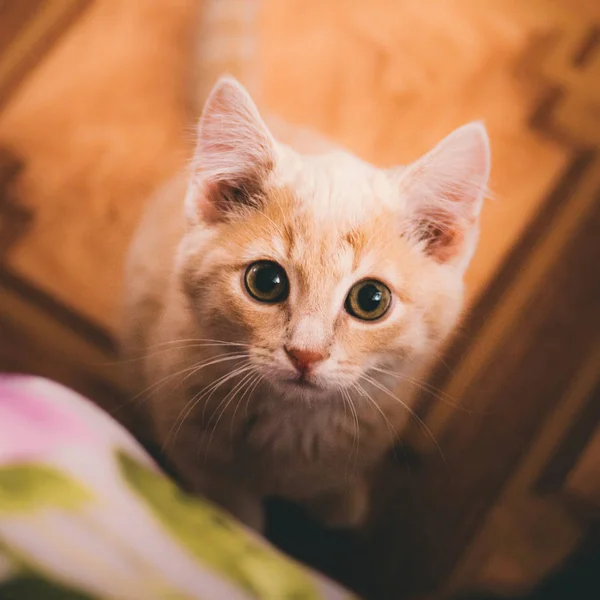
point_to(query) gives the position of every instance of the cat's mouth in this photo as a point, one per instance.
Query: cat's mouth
(302, 384)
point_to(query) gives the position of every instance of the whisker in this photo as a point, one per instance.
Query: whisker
(189, 407)
(172, 348)
(249, 388)
(239, 371)
(414, 415)
(356, 440)
(208, 392)
(427, 387)
(209, 389)
(200, 341)
(150, 388)
(366, 395)
(230, 396)
(190, 372)
(170, 345)
(228, 399)
(346, 404)
(260, 378)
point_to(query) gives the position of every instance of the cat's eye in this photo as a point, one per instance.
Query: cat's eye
(368, 300)
(267, 281)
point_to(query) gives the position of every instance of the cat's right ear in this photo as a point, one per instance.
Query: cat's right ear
(234, 155)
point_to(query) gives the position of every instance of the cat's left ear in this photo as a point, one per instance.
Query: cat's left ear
(234, 154)
(444, 192)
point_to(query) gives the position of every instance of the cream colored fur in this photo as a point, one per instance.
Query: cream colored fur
(330, 220)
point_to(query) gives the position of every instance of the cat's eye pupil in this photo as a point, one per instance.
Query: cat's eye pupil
(267, 278)
(368, 300)
(369, 297)
(267, 281)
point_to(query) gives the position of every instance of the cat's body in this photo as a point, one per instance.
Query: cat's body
(275, 454)
(270, 270)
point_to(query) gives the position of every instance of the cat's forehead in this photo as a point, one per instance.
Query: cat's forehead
(322, 244)
(336, 187)
(327, 217)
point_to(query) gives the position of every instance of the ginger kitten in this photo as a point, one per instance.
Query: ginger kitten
(282, 304)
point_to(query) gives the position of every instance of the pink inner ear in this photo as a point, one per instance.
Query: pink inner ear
(221, 199)
(234, 153)
(441, 242)
(445, 190)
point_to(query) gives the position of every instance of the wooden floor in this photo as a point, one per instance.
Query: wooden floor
(95, 112)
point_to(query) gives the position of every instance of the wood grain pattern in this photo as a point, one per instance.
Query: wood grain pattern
(544, 326)
(13, 217)
(578, 437)
(99, 126)
(533, 328)
(96, 126)
(27, 31)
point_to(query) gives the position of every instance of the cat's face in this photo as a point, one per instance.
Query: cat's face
(328, 271)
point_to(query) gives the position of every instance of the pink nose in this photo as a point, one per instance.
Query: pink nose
(303, 360)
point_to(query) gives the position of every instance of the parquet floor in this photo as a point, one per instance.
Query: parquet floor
(94, 113)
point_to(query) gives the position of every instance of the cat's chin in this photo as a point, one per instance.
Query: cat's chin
(299, 389)
(302, 384)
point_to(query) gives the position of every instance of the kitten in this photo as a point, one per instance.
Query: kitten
(282, 303)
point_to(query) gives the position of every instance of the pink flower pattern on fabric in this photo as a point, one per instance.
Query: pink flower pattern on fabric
(88, 513)
(32, 424)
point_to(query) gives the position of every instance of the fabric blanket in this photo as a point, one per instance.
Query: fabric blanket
(86, 514)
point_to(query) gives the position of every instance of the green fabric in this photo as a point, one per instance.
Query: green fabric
(26, 487)
(30, 587)
(67, 491)
(218, 542)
